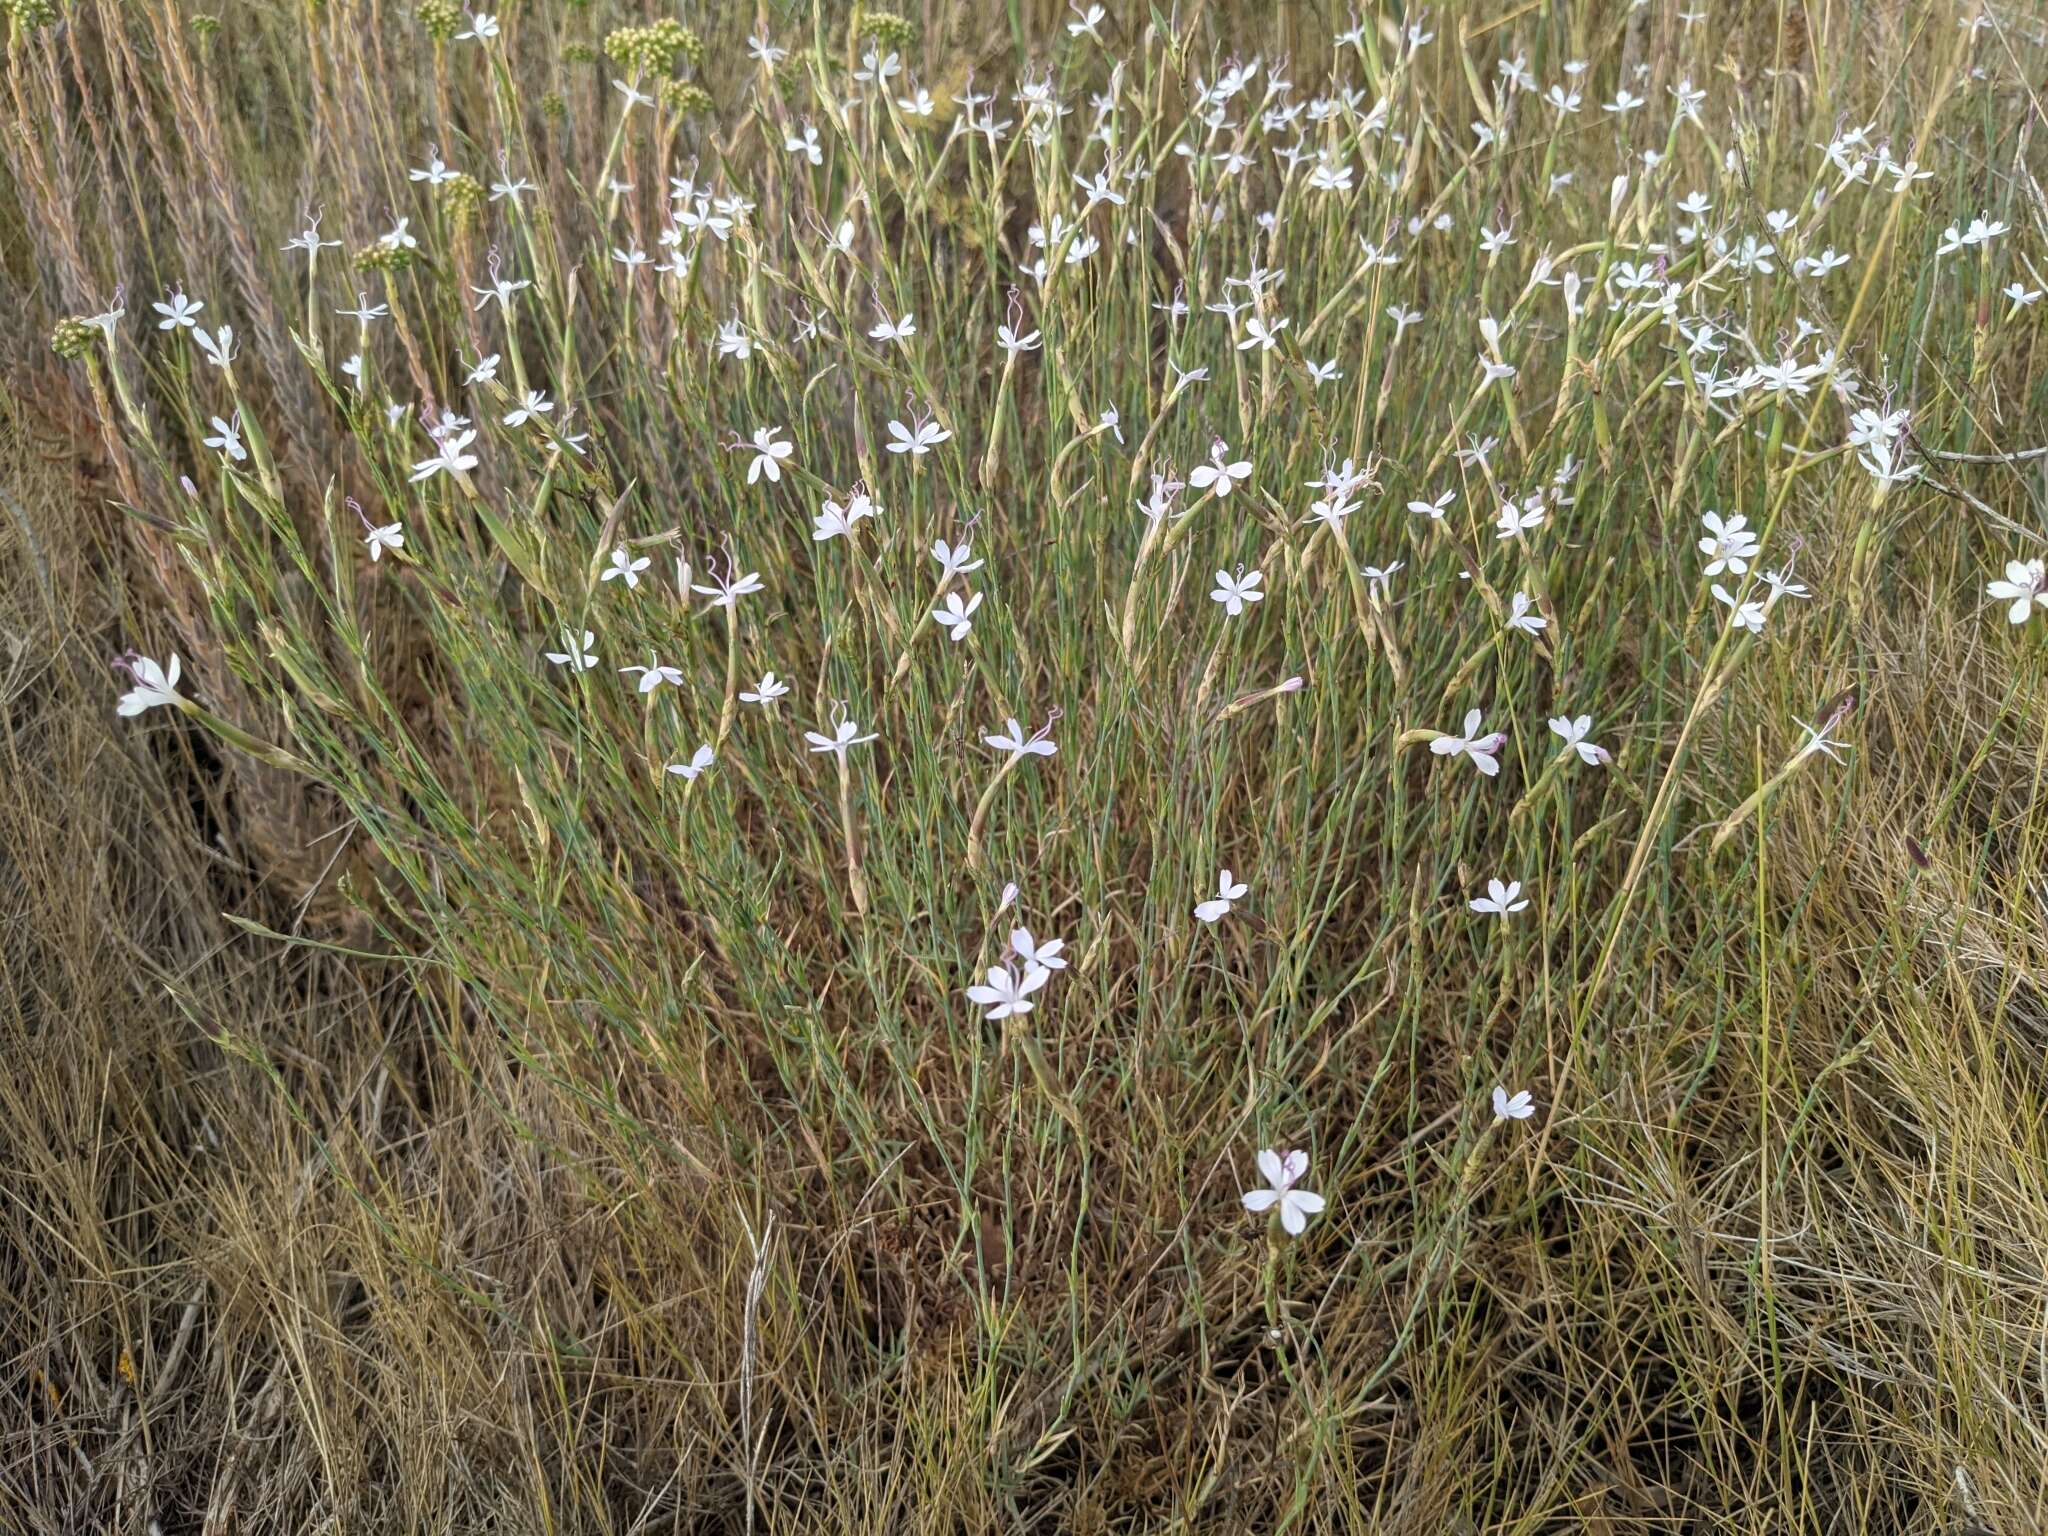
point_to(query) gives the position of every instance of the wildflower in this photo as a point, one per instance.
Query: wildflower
(451, 458)
(625, 568)
(575, 653)
(770, 449)
(916, 442)
(956, 617)
(726, 594)
(954, 561)
(1742, 613)
(1004, 995)
(2025, 586)
(846, 733)
(180, 311)
(1282, 1171)
(805, 144)
(1219, 475)
(1233, 592)
(1228, 891)
(653, 675)
(1523, 616)
(1483, 750)
(1573, 733)
(535, 404)
(1433, 510)
(1500, 899)
(1515, 520)
(155, 686)
(391, 536)
(700, 760)
(227, 437)
(893, 330)
(766, 691)
(1520, 1107)
(1013, 740)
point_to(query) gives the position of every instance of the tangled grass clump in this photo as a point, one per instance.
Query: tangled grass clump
(1084, 769)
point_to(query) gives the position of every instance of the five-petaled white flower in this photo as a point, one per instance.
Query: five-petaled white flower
(1483, 750)
(575, 653)
(390, 536)
(770, 449)
(766, 691)
(1573, 733)
(1520, 1107)
(1233, 592)
(1004, 995)
(451, 458)
(916, 441)
(2025, 587)
(1729, 545)
(179, 311)
(1228, 892)
(1282, 1171)
(956, 617)
(1500, 899)
(655, 674)
(844, 734)
(1013, 739)
(699, 762)
(1036, 954)
(624, 567)
(154, 685)
(1220, 473)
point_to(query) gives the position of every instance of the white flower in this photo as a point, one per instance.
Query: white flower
(1483, 750)
(1227, 892)
(1219, 473)
(1233, 592)
(451, 458)
(1004, 996)
(766, 691)
(700, 760)
(575, 653)
(1035, 955)
(957, 618)
(1729, 545)
(1499, 899)
(1433, 510)
(770, 449)
(953, 559)
(180, 311)
(227, 437)
(625, 568)
(655, 674)
(1524, 617)
(917, 442)
(1282, 1171)
(1742, 613)
(1573, 733)
(893, 330)
(845, 734)
(2025, 586)
(390, 536)
(154, 685)
(535, 404)
(1520, 1107)
(1013, 740)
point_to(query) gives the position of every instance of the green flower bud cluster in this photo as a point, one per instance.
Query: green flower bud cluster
(579, 53)
(553, 107)
(685, 98)
(653, 50)
(29, 15)
(884, 28)
(386, 256)
(462, 195)
(73, 338)
(441, 18)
